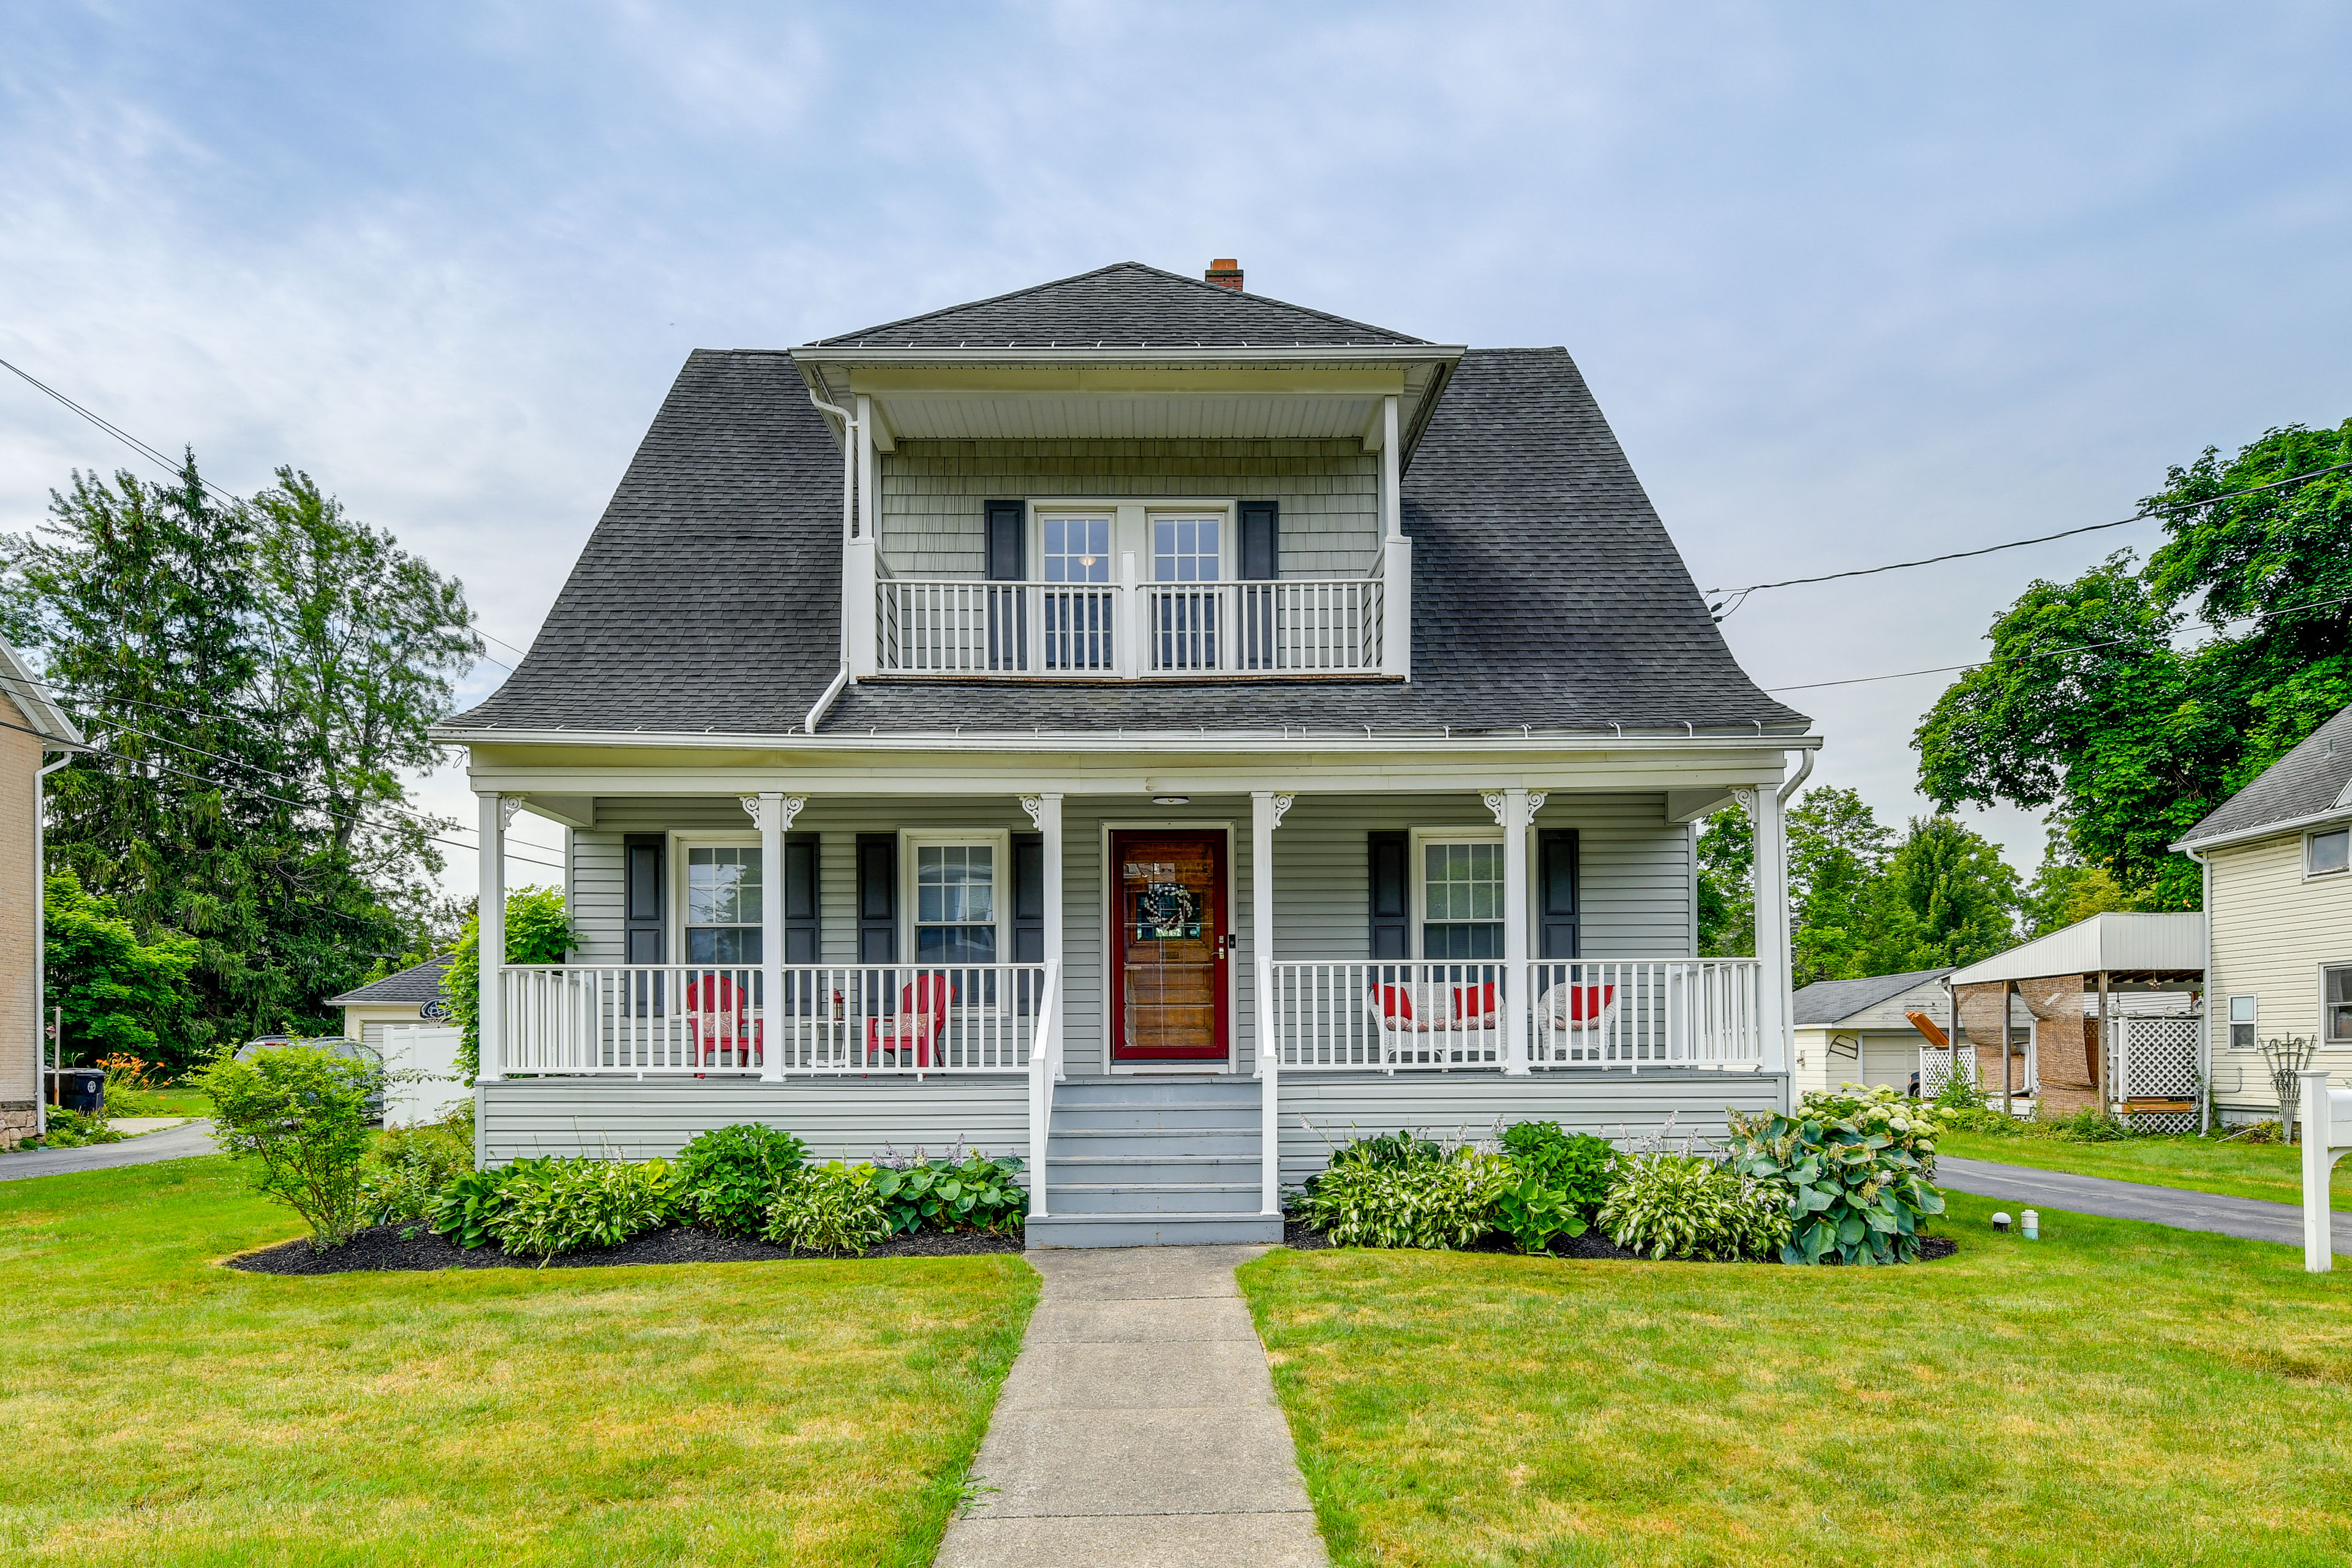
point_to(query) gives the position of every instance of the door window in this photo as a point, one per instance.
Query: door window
(1077, 549)
(722, 905)
(1171, 911)
(1186, 550)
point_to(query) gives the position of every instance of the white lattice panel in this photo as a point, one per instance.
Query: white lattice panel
(1936, 1069)
(2158, 1061)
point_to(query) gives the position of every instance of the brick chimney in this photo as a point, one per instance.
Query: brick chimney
(1226, 273)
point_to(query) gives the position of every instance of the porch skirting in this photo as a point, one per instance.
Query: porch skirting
(863, 1119)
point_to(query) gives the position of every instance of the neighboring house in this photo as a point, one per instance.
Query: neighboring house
(2065, 1002)
(1860, 1031)
(2278, 903)
(411, 996)
(1196, 725)
(31, 727)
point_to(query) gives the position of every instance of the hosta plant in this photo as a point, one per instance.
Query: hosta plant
(1578, 1165)
(1856, 1184)
(729, 1177)
(976, 1193)
(1685, 1206)
(833, 1208)
(469, 1204)
(1534, 1214)
(565, 1205)
(1433, 1200)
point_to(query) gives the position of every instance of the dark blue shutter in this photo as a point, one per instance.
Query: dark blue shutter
(1390, 874)
(1006, 561)
(878, 898)
(1556, 902)
(641, 913)
(800, 898)
(1028, 898)
(1261, 542)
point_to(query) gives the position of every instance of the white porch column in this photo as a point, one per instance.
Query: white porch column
(1046, 814)
(1514, 811)
(1266, 809)
(1769, 875)
(491, 924)
(1396, 552)
(773, 812)
(861, 558)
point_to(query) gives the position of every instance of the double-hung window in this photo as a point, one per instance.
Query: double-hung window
(956, 902)
(1460, 888)
(722, 904)
(2241, 1023)
(2336, 1005)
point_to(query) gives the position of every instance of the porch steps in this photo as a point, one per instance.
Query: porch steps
(1153, 1161)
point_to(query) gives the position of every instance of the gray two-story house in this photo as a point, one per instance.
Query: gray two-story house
(1141, 726)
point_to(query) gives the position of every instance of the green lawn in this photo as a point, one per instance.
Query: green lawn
(176, 1100)
(163, 1410)
(2114, 1393)
(2202, 1164)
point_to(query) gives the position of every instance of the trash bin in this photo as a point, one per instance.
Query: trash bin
(79, 1088)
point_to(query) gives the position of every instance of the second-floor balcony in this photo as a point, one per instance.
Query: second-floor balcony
(1130, 630)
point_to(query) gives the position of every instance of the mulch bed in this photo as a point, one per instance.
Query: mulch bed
(381, 1248)
(1297, 1234)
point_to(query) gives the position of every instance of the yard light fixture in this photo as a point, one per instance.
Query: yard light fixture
(2000, 1222)
(2031, 1223)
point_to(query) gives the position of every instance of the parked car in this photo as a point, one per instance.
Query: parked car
(334, 1045)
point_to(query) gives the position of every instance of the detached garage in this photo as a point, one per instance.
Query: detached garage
(1860, 1031)
(411, 996)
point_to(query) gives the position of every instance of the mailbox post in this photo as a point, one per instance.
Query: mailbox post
(2326, 1137)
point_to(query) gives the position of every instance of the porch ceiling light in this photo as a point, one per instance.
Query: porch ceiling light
(1171, 800)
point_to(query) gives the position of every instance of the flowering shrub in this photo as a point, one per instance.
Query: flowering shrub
(1683, 1205)
(1853, 1168)
(833, 1208)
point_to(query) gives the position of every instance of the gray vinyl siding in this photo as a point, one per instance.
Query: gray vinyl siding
(931, 493)
(840, 1118)
(1636, 881)
(1320, 1111)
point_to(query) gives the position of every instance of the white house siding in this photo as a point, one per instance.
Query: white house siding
(838, 1117)
(2272, 931)
(1635, 866)
(1885, 1058)
(931, 493)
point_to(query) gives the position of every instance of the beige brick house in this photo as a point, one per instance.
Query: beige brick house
(31, 727)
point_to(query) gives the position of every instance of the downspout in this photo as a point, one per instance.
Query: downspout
(848, 526)
(1786, 981)
(41, 951)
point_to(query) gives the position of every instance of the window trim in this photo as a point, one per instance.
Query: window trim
(911, 840)
(1137, 541)
(2311, 837)
(680, 843)
(1146, 559)
(1040, 510)
(2327, 1040)
(1417, 906)
(2253, 1020)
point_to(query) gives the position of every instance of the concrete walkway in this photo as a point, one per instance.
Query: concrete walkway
(1139, 1429)
(184, 1142)
(2252, 1218)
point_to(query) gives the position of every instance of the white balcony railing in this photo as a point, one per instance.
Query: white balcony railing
(1314, 625)
(643, 1019)
(1582, 1013)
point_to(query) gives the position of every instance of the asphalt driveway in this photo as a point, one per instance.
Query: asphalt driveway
(2250, 1217)
(183, 1142)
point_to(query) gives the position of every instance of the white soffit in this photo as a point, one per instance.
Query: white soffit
(2114, 942)
(1018, 417)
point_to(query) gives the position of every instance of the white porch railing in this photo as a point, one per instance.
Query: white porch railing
(1581, 1013)
(901, 1019)
(1303, 627)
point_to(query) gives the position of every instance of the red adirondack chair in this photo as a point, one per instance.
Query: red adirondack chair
(921, 1019)
(720, 1025)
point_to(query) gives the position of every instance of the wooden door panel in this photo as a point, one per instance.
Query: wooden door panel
(1170, 978)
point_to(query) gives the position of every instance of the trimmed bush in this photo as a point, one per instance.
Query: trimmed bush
(566, 1205)
(1682, 1205)
(303, 1115)
(728, 1176)
(1853, 1167)
(833, 1208)
(974, 1194)
(1424, 1198)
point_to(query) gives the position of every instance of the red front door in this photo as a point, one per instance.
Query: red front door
(1169, 947)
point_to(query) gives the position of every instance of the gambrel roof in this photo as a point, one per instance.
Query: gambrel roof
(1122, 306)
(1547, 595)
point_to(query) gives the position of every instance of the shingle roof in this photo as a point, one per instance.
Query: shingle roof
(420, 984)
(1124, 305)
(2310, 781)
(1545, 591)
(1832, 1001)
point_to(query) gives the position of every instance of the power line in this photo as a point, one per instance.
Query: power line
(2037, 652)
(168, 466)
(1735, 597)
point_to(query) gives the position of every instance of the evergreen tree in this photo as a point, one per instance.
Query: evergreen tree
(1947, 898)
(1727, 907)
(1838, 853)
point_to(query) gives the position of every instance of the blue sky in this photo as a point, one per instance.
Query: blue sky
(1853, 283)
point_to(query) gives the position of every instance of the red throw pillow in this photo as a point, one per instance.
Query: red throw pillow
(1476, 1005)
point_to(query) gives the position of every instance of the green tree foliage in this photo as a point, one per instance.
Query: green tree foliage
(2090, 705)
(117, 993)
(1726, 908)
(264, 668)
(1948, 898)
(537, 932)
(1838, 853)
(2065, 890)
(303, 1115)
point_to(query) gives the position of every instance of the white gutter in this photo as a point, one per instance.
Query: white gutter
(848, 522)
(1244, 743)
(1804, 771)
